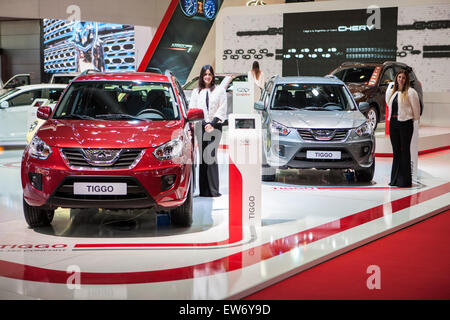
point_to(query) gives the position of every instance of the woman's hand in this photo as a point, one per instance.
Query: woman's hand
(209, 128)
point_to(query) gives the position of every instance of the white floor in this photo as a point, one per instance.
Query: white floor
(307, 218)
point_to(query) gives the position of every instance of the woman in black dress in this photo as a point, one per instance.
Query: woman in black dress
(212, 99)
(404, 109)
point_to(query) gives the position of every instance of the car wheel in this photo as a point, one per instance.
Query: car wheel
(268, 173)
(366, 174)
(182, 216)
(37, 216)
(372, 117)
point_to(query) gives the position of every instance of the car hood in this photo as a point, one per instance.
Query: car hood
(357, 87)
(319, 119)
(111, 134)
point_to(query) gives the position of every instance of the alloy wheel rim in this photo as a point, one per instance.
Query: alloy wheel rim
(372, 118)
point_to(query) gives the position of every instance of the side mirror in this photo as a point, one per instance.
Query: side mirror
(4, 105)
(44, 113)
(364, 107)
(259, 105)
(195, 114)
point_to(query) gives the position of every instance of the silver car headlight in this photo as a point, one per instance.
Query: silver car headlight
(169, 150)
(278, 128)
(39, 149)
(364, 130)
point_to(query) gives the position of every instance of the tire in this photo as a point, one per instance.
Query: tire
(366, 174)
(268, 177)
(37, 216)
(268, 173)
(182, 215)
(372, 117)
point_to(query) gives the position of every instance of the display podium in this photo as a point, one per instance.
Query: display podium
(245, 166)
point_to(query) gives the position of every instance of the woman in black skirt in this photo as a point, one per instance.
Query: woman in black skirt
(212, 99)
(404, 109)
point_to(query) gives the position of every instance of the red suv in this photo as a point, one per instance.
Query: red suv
(122, 140)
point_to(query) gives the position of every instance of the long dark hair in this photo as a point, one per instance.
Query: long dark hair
(406, 87)
(201, 83)
(255, 69)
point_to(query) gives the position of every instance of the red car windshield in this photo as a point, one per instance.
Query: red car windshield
(118, 100)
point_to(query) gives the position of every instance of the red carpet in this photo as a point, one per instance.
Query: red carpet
(414, 264)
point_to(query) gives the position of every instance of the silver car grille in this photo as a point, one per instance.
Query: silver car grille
(101, 158)
(323, 134)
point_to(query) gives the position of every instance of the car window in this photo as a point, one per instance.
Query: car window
(388, 76)
(191, 85)
(183, 99)
(312, 97)
(52, 94)
(25, 99)
(118, 100)
(340, 74)
(357, 75)
(8, 93)
(18, 81)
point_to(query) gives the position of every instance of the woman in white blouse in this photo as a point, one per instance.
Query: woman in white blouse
(404, 108)
(256, 76)
(212, 99)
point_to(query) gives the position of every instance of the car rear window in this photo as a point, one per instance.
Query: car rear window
(119, 100)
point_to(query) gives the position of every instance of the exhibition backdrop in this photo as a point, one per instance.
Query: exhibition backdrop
(314, 43)
(184, 37)
(75, 46)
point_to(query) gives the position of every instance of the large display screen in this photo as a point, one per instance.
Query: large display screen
(184, 37)
(314, 43)
(76, 46)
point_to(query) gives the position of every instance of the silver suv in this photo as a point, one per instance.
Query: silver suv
(314, 122)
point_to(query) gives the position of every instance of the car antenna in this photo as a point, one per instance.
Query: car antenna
(298, 70)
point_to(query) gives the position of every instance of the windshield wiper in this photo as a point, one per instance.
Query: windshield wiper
(118, 116)
(315, 109)
(76, 116)
(284, 108)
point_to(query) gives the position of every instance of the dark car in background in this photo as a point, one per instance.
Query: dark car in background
(368, 83)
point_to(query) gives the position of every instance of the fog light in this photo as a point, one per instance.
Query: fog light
(168, 181)
(365, 151)
(36, 180)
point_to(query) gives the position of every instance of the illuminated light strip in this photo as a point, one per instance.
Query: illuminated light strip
(235, 230)
(375, 75)
(234, 261)
(422, 152)
(158, 35)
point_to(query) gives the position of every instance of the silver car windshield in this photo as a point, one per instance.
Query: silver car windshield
(118, 100)
(312, 97)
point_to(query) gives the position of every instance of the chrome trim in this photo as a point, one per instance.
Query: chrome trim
(66, 160)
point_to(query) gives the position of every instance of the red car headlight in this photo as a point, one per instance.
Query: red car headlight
(39, 149)
(169, 150)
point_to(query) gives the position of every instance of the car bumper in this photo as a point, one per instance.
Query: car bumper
(292, 153)
(144, 183)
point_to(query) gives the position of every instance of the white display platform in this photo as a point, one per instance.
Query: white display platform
(307, 219)
(430, 139)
